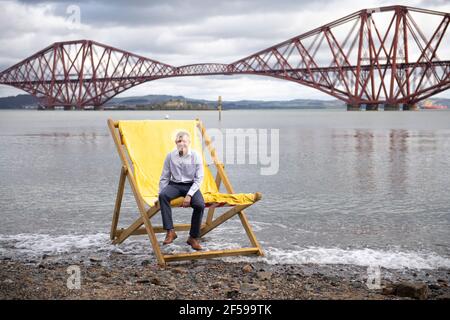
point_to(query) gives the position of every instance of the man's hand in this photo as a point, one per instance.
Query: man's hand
(186, 202)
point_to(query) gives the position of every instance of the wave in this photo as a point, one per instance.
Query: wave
(32, 246)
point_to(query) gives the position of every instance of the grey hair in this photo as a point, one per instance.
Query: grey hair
(181, 134)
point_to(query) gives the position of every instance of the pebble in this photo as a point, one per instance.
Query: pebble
(142, 281)
(247, 268)
(264, 275)
(178, 270)
(412, 290)
(155, 281)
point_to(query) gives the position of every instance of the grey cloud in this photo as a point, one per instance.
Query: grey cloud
(135, 13)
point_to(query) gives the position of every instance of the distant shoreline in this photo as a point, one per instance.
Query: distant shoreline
(168, 102)
(174, 103)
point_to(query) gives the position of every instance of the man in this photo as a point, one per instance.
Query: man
(182, 176)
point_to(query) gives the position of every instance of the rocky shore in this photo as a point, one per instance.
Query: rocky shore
(116, 278)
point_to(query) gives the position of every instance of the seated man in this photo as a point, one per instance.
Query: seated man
(182, 176)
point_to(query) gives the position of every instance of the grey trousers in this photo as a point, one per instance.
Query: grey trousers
(174, 190)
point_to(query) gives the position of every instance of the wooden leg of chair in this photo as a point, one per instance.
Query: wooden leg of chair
(115, 220)
(251, 235)
(153, 240)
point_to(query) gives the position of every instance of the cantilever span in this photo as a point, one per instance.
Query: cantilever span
(390, 55)
(204, 69)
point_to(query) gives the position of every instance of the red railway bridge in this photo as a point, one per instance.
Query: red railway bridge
(389, 56)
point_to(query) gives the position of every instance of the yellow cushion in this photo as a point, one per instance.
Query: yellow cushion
(149, 141)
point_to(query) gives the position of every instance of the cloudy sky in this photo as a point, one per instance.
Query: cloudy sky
(181, 32)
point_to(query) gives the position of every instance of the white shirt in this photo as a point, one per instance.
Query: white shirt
(188, 168)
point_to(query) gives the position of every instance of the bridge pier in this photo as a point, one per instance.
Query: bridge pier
(372, 107)
(410, 107)
(353, 107)
(98, 107)
(391, 107)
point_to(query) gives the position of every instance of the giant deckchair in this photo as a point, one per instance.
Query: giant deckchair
(146, 143)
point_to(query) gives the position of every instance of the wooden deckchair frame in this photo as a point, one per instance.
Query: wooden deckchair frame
(119, 235)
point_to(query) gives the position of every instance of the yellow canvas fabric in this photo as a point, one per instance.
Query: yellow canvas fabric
(149, 141)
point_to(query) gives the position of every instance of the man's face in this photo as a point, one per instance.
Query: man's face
(182, 144)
